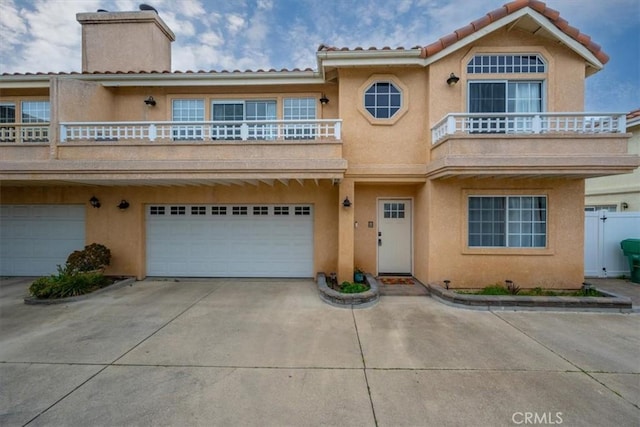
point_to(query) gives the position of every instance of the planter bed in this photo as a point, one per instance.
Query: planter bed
(119, 282)
(364, 299)
(611, 302)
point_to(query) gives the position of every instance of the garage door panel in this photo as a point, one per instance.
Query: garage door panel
(34, 239)
(217, 242)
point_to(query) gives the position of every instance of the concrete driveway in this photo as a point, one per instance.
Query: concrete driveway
(270, 353)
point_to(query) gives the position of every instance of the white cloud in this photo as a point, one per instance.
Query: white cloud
(235, 23)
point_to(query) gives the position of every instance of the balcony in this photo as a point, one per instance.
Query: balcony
(144, 152)
(265, 130)
(577, 145)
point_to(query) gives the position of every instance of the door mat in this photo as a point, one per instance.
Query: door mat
(396, 280)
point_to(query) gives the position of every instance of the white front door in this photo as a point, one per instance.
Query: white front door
(394, 236)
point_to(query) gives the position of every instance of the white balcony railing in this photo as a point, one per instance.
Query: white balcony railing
(201, 131)
(24, 133)
(528, 123)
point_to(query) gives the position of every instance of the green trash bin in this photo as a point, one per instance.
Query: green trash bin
(631, 249)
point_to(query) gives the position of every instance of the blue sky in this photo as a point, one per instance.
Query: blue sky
(43, 35)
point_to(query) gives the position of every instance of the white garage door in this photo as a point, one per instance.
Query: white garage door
(230, 240)
(34, 239)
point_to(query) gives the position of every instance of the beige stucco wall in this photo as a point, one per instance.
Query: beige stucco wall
(365, 143)
(125, 41)
(124, 231)
(560, 265)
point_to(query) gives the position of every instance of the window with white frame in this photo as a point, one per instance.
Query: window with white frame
(299, 109)
(35, 112)
(187, 110)
(504, 97)
(7, 115)
(505, 64)
(240, 111)
(382, 100)
(507, 221)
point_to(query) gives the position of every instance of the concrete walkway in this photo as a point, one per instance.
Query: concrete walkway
(270, 353)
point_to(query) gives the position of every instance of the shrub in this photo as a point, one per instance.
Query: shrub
(353, 288)
(67, 283)
(494, 290)
(93, 257)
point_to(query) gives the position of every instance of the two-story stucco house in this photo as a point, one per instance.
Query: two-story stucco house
(464, 160)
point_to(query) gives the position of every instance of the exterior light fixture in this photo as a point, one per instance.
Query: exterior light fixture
(123, 205)
(346, 203)
(94, 202)
(150, 101)
(453, 79)
(324, 100)
(624, 205)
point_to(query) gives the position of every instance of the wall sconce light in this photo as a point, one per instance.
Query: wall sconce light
(123, 205)
(324, 100)
(453, 79)
(624, 205)
(94, 202)
(346, 203)
(150, 101)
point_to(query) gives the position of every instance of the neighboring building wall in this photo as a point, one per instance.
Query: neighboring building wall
(618, 190)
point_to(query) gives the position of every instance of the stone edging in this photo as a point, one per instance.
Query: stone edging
(332, 297)
(51, 301)
(611, 303)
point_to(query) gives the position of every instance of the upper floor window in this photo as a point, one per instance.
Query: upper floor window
(188, 110)
(35, 112)
(7, 113)
(227, 110)
(501, 64)
(382, 100)
(30, 112)
(299, 109)
(504, 97)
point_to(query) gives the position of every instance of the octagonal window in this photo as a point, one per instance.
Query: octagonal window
(382, 100)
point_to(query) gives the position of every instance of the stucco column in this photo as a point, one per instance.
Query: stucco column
(346, 231)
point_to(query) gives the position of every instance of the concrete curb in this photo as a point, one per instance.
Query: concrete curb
(337, 299)
(611, 303)
(46, 301)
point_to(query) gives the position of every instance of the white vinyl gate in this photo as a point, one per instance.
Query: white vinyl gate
(603, 232)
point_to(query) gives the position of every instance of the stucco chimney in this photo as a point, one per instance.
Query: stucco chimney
(125, 41)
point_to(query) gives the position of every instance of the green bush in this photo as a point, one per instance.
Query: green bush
(67, 283)
(93, 257)
(353, 288)
(494, 290)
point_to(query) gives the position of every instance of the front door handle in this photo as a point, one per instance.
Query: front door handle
(379, 242)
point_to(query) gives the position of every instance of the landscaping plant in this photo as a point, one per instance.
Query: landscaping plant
(81, 274)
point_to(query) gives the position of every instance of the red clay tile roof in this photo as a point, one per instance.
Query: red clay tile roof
(634, 114)
(493, 16)
(62, 73)
(509, 8)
